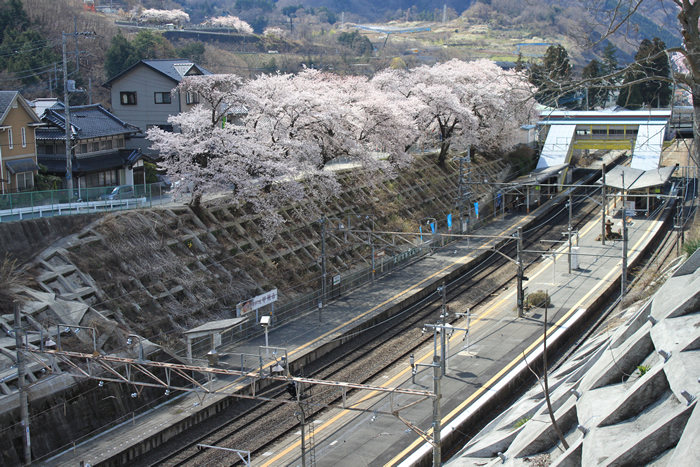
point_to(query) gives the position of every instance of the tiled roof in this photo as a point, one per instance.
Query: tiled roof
(175, 69)
(6, 98)
(110, 160)
(88, 121)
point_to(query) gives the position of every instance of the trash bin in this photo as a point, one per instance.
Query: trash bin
(213, 357)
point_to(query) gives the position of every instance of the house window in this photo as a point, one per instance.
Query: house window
(162, 98)
(9, 135)
(120, 142)
(192, 98)
(106, 145)
(44, 149)
(127, 98)
(106, 178)
(25, 181)
(83, 148)
(95, 146)
(24, 138)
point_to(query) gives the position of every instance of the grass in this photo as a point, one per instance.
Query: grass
(643, 369)
(521, 422)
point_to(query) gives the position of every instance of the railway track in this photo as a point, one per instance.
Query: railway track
(257, 427)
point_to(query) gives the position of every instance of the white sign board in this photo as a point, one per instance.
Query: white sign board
(217, 339)
(257, 302)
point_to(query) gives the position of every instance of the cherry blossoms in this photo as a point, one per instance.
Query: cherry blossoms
(459, 104)
(164, 16)
(280, 138)
(231, 22)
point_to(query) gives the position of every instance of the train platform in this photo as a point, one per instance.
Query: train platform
(498, 337)
(483, 375)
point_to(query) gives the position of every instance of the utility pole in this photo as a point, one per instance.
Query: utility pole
(69, 161)
(464, 193)
(443, 331)
(303, 442)
(571, 213)
(323, 267)
(21, 382)
(519, 275)
(603, 204)
(437, 454)
(623, 279)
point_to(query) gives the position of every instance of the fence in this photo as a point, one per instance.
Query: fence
(33, 204)
(310, 302)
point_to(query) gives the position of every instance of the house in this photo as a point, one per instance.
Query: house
(141, 95)
(98, 138)
(18, 124)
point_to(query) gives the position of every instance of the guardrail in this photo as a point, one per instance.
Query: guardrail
(33, 204)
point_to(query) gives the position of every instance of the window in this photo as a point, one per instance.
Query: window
(162, 98)
(83, 148)
(127, 98)
(581, 132)
(24, 137)
(25, 181)
(9, 135)
(44, 149)
(107, 178)
(192, 98)
(120, 142)
(106, 145)
(95, 146)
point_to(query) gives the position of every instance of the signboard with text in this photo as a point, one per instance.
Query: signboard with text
(256, 302)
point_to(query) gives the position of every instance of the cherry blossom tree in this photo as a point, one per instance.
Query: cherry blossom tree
(212, 155)
(319, 118)
(462, 104)
(231, 22)
(164, 16)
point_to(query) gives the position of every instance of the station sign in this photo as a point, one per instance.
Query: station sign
(256, 302)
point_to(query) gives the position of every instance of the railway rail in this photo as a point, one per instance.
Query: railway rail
(257, 427)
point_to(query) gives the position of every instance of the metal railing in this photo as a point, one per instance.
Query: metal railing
(33, 204)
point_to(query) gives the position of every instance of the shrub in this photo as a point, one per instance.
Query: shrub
(539, 299)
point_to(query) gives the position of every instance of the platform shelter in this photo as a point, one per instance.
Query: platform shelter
(643, 132)
(640, 187)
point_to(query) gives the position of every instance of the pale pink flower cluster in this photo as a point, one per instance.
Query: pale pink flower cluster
(231, 22)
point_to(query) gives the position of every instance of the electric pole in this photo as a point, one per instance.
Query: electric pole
(571, 213)
(437, 454)
(69, 162)
(21, 386)
(623, 279)
(323, 267)
(602, 236)
(519, 276)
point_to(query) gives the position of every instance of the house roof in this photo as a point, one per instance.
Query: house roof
(87, 121)
(6, 100)
(175, 69)
(110, 160)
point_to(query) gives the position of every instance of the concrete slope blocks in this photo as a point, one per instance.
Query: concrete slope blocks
(628, 397)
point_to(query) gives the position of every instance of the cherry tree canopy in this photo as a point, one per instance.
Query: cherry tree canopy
(291, 130)
(164, 16)
(462, 104)
(231, 22)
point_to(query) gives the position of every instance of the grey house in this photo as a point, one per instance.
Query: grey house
(98, 138)
(141, 95)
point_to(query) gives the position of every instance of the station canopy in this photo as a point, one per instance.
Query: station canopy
(637, 179)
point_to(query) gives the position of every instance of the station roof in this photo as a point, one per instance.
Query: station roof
(221, 325)
(605, 117)
(636, 179)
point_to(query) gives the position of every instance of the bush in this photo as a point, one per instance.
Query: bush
(691, 245)
(539, 299)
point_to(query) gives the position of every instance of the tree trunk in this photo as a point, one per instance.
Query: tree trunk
(196, 200)
(442, 158)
